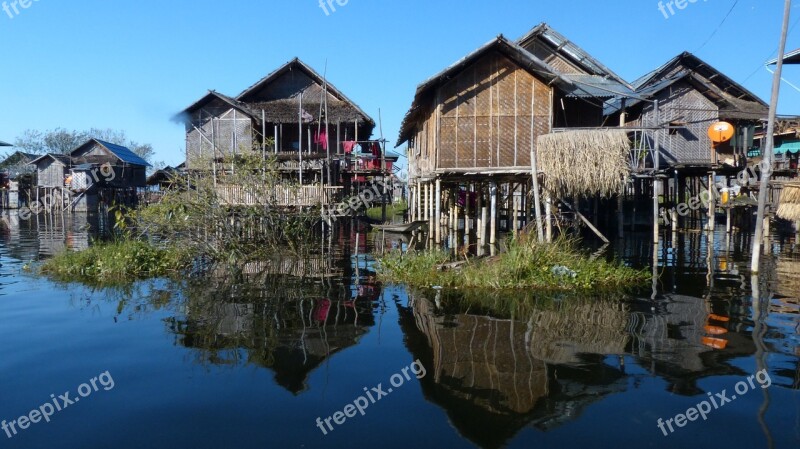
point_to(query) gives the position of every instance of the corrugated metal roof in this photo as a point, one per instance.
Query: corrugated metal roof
(571, 51)
(595, 86)
(793, 57)
(124, 154)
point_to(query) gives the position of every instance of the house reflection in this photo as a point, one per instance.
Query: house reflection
(289, 327)
(546, 365)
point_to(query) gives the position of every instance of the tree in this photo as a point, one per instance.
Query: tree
(62, 141)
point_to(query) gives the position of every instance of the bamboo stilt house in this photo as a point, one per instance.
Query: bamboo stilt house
(692, 96)
(318, 136)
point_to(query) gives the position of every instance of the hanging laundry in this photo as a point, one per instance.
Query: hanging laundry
(348, 146)
(321, 139)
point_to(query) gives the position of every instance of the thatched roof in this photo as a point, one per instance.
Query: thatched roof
(789, 208)
(286, 110)
(584, 162)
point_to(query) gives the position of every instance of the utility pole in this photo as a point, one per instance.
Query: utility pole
(769, 146)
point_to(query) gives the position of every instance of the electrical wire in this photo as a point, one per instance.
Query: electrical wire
(736, 2)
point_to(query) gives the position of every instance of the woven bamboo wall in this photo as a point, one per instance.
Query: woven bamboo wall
(50, 173)
(490, 115)
(230, 130)
(683, 104)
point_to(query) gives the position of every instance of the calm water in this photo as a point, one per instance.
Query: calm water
(224, 364)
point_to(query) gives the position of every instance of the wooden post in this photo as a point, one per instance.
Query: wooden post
(493, 216)
(431, 211)
(548, 208)
(728, 227)
(621, 212)
(479, 217)
(467, 212)
(769, 147)
(537, 206)
(657, 159)
(515, 219)
(712, 202)
(587, 222)
(438, 212)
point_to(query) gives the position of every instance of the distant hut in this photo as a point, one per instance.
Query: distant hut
(52, 171)
(16, 179)
(294, 115)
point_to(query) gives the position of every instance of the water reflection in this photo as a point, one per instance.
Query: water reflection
(288, 327)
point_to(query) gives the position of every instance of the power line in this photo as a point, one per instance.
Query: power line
(773, 52)
(736, 2)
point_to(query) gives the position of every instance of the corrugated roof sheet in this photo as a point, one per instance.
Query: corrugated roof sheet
(124, 154)
(595, 86)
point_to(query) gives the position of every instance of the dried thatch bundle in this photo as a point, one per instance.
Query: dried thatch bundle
(584, 163)
(789, 209)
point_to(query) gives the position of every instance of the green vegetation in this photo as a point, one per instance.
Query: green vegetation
(393, 209)
(528, 264)
(117, 262)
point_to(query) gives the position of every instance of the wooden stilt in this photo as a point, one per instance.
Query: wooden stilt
(548, 216)
(493, 217)
(438, 211)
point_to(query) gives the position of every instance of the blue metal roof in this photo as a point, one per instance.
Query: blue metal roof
(124, 154)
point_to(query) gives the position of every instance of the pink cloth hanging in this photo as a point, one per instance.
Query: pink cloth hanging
(321, 139)
(348, 146)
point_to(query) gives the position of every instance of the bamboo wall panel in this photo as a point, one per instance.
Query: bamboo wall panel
(683, 105)
(50, 174)
(491, 114)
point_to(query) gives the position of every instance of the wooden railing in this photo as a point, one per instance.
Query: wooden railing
(279, 195)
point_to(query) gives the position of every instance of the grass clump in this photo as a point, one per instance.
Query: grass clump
(528, 264)
(117, 262)
(376, 213)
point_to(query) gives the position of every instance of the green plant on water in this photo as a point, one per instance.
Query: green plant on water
(117, 262)
(376, 213)
(527, 264)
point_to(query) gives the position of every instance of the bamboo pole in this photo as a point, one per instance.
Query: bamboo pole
(548, 207)
(769, 147)
(657, 161)
(493, 217)
(438, 213)
(537, 206)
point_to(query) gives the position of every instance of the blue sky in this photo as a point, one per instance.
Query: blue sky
(132, 65)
